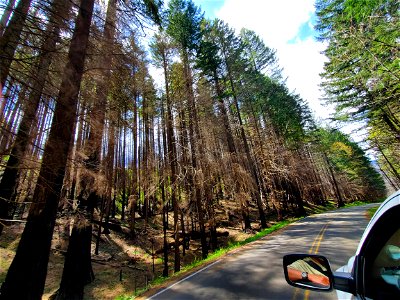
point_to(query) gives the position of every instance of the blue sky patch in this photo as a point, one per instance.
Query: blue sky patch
(306, 30)
(209, 7)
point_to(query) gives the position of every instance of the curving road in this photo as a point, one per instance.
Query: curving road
(255, 271)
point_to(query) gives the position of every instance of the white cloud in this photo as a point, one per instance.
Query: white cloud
(277, 23)
(303, 62)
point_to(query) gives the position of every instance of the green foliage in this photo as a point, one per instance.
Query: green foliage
(362, 76)
(262, 58)
(184, 20)
(372, 211)
(125, 297)
(254, 72)
(289, 114)
(208, 58)
(348, 159)
(152, 9)
(356, 203)
(246, 64)
(118, 204)
(162, 49)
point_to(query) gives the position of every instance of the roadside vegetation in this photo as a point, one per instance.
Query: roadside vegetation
(371, 211)
(124, 268)
(111, 177)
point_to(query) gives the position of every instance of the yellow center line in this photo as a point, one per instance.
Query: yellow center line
(313, 250)
(320, 239)
(306, 294)
(317, 240)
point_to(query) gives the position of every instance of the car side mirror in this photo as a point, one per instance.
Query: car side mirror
(308, 272)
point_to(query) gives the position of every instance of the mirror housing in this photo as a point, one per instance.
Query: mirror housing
(344, 282)
(308, 271)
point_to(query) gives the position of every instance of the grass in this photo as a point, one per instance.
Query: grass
(371, 211)
(124, 298)
(356, 203)
(317, 209)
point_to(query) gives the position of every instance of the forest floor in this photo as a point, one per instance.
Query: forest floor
(124, 265)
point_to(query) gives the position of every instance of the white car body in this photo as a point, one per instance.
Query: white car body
(389, 203)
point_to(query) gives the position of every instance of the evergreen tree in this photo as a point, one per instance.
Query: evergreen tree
(362, 74)
(184, 20)
(359, 179)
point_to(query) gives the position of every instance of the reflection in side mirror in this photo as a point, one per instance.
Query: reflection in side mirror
(308, 271)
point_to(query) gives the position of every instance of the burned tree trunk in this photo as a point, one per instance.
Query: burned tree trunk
(9, 180)
(6, 15)
(26, 276)
(77, 265)
(10, 39)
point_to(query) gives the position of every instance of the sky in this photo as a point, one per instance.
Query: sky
(287, 26)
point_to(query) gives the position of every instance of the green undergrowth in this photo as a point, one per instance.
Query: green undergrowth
(125, 297)
(356, 203)
(317, 209)
(371, 211)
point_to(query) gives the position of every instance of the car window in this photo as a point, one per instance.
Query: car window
(381, 256)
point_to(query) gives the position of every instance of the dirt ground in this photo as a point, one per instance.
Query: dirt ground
(123, 265)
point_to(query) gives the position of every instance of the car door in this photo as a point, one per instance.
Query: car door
(377, 268)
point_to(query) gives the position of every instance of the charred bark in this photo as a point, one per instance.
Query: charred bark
(10, 39)
(6, 15)
(26, 276)
(9, 180)
(77, 266)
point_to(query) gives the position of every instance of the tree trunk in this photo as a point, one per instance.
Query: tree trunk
(134, 163)
(26, 276)
(9, 181)
(340, 202)
(6, 16)
(97, 117)
(224, 114)
(183, 232)
(248, 155)
(253, 168)
(9, 94)
(392, 184)
(77, 265)
(165, 227)
(11, 118)
(392, 124)
(78, 147)
(10, 39)
(172, 159)
(193, 136)
(98, 113)
(392, 168)
(145, 159)
(162, 179)
(123, 173)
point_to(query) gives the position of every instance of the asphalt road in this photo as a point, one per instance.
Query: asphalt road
(255, 271)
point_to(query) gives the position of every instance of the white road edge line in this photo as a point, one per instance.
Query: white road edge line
(182, 280)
